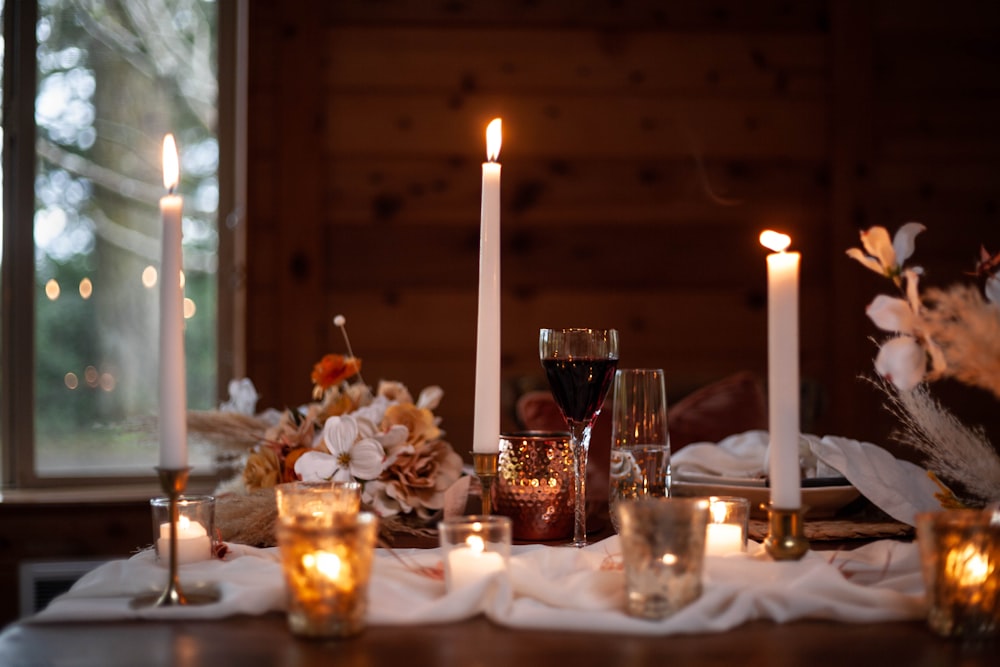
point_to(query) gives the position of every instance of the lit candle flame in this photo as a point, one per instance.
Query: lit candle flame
(776, 241)
(326, 563)
(183, 523)
(171, 168)
(494, 137)
(476, 544)
(718, 510)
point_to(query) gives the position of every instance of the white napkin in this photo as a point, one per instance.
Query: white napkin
(900, 488)
(546, 588)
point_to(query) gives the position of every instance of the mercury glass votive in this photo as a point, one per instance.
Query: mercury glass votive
(535, 484)
(960, 558)
(663, 550)
(728, 519)
(473, 548)
(327, 565)
(316, 501)
(195, 528)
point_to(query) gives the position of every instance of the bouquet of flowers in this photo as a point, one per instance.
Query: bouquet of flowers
(390, 443)
(940, 333)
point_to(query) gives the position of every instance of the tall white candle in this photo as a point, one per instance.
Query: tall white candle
(486, 420)
(173, 393)
(783, 371)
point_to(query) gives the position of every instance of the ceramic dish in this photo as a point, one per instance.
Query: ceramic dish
(819, 501)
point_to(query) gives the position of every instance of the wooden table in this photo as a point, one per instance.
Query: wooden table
(265, 640)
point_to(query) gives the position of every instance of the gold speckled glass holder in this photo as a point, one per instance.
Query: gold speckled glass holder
(534, 485)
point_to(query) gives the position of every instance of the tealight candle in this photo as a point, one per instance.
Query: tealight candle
(960, 557)
(475, 547)
(726, 532)
(193, 542)
(327, 567)
(195, 524)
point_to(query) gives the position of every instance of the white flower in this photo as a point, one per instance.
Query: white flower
(242, 397)
(993, 288)
(902, 361)
(430, 397)
(353, 454)
(376, 495)
(884, 256)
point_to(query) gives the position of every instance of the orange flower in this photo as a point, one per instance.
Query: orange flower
(331, 370)
(288, 465)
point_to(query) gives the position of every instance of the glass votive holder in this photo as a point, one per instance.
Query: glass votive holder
(534, 484)
(195, 528)
(960, 559)
(316, 502)
(473, 548)
(663, 550)
(728, 518)
(327, 566)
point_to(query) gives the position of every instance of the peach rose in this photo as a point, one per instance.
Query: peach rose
(419, 423)
(419, 479)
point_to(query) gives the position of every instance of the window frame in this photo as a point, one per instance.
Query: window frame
(17, 280)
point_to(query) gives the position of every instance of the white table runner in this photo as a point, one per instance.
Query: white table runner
(547, 588)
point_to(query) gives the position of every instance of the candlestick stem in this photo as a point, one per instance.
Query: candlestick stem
(785, 539)
(486, 466)
(173, 481)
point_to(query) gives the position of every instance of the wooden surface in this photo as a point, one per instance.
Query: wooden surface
(646, 144)
(265, 640)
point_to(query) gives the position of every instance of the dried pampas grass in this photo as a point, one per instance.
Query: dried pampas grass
(228, 431)
(967, 330)
(954, 452)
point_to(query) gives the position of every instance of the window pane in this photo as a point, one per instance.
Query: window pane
(113, 78)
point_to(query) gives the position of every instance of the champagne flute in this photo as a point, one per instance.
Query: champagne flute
(579, 364)
(640, 442)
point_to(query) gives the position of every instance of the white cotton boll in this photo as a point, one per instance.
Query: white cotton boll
(339, 320)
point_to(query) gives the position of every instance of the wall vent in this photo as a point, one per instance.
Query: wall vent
(41, 581)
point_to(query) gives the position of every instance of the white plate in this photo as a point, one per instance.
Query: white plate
(819, 501)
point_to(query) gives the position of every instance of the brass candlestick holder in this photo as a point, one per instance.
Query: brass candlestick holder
(173, 482)
(486, 466)
(785, 535)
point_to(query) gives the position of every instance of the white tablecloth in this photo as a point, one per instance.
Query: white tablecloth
(546, 588)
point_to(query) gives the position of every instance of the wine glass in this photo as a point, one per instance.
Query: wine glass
(579, 364)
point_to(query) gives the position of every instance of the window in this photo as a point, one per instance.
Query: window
(90, 88)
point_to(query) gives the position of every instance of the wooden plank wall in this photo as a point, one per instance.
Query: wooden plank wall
(646, 144)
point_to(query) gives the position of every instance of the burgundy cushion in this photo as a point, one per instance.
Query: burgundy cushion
(731, 405)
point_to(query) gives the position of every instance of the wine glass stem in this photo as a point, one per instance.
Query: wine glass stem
(580, 433)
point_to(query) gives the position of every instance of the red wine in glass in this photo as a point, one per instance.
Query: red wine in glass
(580, 365)
(580, 385)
